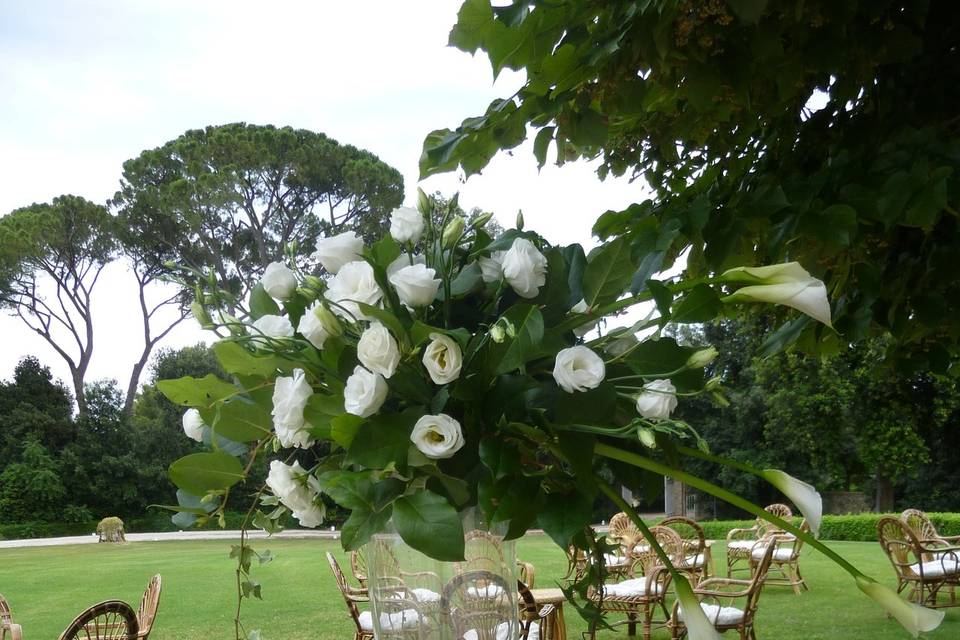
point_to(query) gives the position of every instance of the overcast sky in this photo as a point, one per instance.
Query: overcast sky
(89, 84)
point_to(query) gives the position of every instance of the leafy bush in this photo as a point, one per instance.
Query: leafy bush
(861, 527)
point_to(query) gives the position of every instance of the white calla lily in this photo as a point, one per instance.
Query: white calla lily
(699, 627)
(913, 617)
(804, 495)
(787, 284)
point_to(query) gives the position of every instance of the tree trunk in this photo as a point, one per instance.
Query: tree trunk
(134, 382)
(77, 375)
(884, 501)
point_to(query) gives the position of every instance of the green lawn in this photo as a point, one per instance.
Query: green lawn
(48, 586)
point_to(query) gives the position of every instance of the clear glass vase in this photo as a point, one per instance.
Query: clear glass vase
(414, 596)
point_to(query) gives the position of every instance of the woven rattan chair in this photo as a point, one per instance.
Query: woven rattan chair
(109, 620)
(922, 568)
(926, 531)
(719, 597)
(625, 534)
(8, 628)
(526, 573)
(740, 542)
(639, 597)
(479, 606)
(696, 556)
(358, 565)
(537, 621)
(785, 560)
(149, 604)
(363, 629)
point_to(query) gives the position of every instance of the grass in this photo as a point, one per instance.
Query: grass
(48, 586)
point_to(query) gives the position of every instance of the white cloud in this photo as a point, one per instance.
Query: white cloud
(90, 84)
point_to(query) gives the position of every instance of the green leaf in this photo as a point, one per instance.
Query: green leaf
(608, 273)
(387, 319)
(234, 358)
(564, 515)
(926, 206)
(261, 304)
(385, 251)
(430, 524)
(469, 279)
(514, 352)
(500, 457)
(242, 420)
(197, 392)
(183, 519)
(783, 337)
(199, 473)
(384, 439)
(594, 406)
(541, 144)
(474, 20)
(662, 296)
(749, 11)
(576, 263)
(650, 264)
(361, 525)
(343, 428)
(699, 305)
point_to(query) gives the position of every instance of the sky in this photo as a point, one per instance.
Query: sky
(88, 84)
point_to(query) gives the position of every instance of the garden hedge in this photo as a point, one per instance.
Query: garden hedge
(861, 527)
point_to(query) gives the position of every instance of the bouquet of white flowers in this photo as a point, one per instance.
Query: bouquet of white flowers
(441, 369)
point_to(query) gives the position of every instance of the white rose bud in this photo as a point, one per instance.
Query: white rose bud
(365, 393)
(701, 358)
(290, 395)
(437, 437)
(658, 400)
(378, 351)
(193, 425)
(584, 329)
(578, 369)
(338, 250)
(416, 285)
(525, 268)
(453, 231)
(271, 326)
(406, 225)
(311, 327)
(491, 269)
(353, 283)
(442, 358)
(278, 281)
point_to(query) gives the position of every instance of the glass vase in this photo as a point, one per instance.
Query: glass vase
(414, 596)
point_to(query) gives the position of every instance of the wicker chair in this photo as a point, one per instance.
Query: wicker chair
(363, 628)
(147, 612)
(740, 542)
(479, 606)
(926, 530)
(626, 534)
(526, 573)
(537, 622)
(785, 559)
(109, 620)
(358, 565)
(639, 597)
(696, 556)
(923, 568)
(719, 595)
(8, 628)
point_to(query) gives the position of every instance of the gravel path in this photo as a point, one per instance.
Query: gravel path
(174, 535)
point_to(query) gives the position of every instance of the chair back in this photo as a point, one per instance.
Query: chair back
(526, 573)
(921, 524)
(109, 620)
(900, 544)
(692, 535)
(778, 509)
(478, 603)
(358, 564)
(623, 530)
(6, 617)
(482, 551)
(647, 558)
(148, 606)
(345, 591)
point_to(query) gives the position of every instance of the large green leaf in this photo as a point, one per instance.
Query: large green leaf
(514, 352)
(199, 473)
(234, 358)
(383, 439)
(361, 525)
(197, 392)
(241, 420)
(261, 304)
(564, 515)
(699, 305)
(608, 272)
(429, 524)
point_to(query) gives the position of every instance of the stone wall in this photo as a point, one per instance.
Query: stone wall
(841, 502)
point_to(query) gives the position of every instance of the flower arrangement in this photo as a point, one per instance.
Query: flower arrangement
(442, 369)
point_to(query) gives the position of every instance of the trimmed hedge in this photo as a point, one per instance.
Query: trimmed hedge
(860, 527)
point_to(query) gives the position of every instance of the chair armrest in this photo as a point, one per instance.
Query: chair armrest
(929, 549)
(950, 538)
(16, 633)
(545, 610)
(735, 533)
(722, 594)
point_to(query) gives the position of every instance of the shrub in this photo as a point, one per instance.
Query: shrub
(860, 527)
(110, 530)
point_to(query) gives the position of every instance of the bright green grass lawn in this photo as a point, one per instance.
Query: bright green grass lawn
(48, 586)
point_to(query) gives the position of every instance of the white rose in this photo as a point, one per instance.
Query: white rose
(437, 436)
(442, 358)
(193, 425)
(403, 260)
(311, 516)
(311, 328)
(378, 351)
(578, 369)
(415, 285)
(406, 225)
(290, 395)
(525, 268)
(278, 281)
(273, 327)
(584, 329)
(289, 484)
(658, 400)
(365, 393)
(338, 250)
(353, 283)
(491, 269)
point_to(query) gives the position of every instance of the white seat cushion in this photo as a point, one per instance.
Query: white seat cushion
(641, 548)
(695, 561)
(488, 592)
(503, 632)
(613, 560)
(781, 555)
(406, 619)
(420, 595)
(741, 544)
(719, 615)
(947, 555)
(938, 568)
(629, 588)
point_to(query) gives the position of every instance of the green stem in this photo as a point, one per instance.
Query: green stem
(696, 453)
(643, 462)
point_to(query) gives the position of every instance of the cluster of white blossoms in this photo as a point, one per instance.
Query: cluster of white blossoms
(293, 487)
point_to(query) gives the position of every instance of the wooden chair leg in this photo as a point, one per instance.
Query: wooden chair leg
(632, 624)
